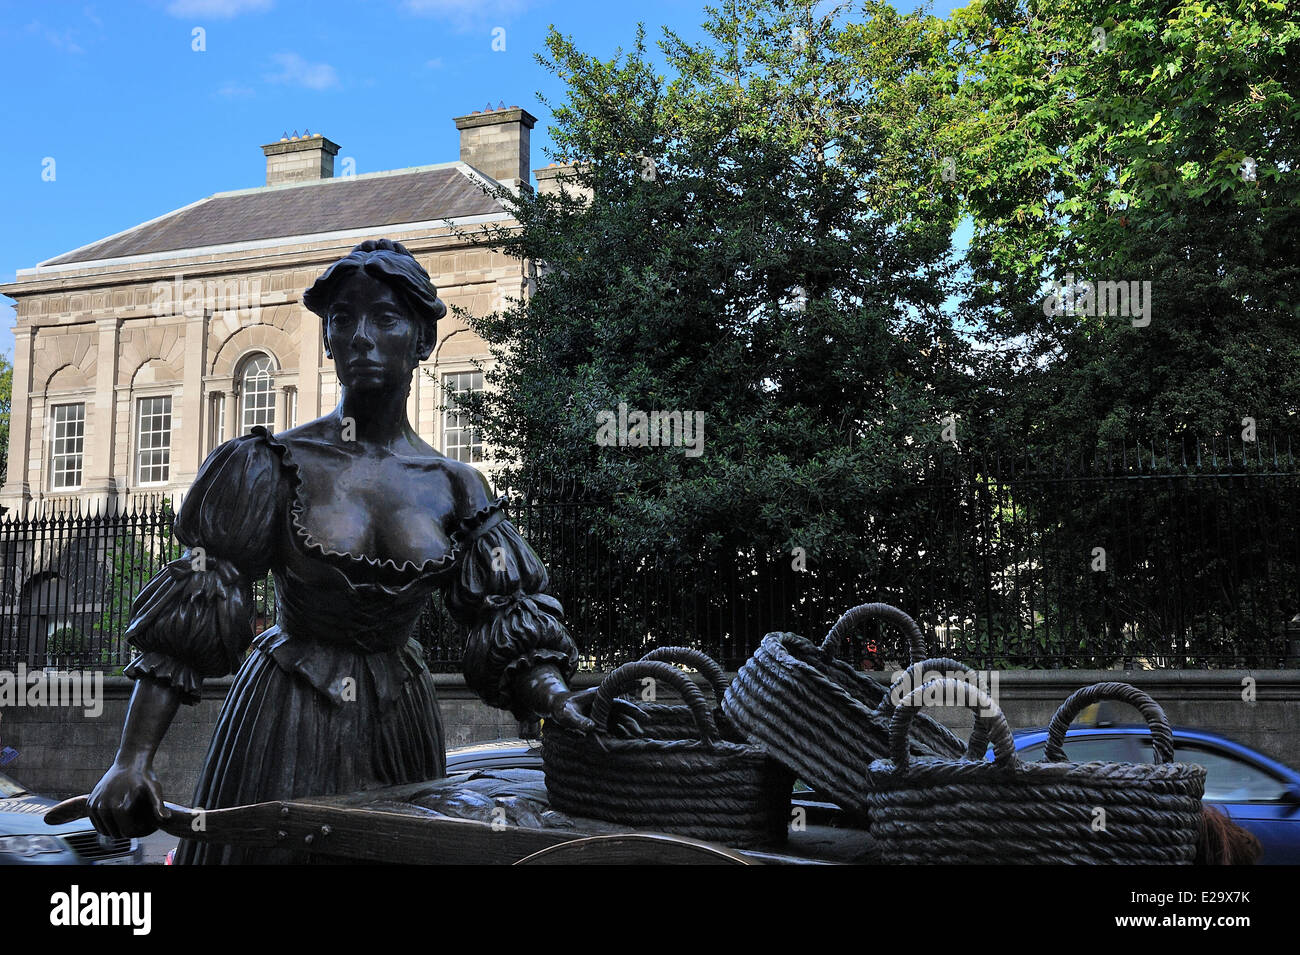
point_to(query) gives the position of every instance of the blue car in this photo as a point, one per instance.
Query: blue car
(1256, 792)
(25, 839)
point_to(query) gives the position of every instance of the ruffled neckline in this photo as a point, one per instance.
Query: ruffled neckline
(467, 529)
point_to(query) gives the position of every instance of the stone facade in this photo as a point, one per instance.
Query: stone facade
(100, 337)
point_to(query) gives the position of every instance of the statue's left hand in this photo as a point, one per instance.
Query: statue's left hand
(575, 713)
(572, 710)
(550, 696)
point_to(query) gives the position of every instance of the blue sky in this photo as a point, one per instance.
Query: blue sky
(138, 122)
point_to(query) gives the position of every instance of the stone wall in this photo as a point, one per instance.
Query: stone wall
(63, 752)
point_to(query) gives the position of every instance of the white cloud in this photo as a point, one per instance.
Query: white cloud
(233, 90)
(467, 14)
(66, 41)
(295, 71)
(217, 9)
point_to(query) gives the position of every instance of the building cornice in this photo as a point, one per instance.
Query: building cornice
(257, 244)
(134, 270)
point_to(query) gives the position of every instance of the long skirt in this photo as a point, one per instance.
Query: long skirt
(281, 736)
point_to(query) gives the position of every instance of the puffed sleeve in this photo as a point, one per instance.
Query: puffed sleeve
(195, 618)
(499, 593)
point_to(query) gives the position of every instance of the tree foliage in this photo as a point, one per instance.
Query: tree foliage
(1140, 141)
(762, 232)
(745, 253)
(6, 400)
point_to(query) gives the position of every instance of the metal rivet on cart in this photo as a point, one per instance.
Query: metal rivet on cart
(324, 830)
(309, 838)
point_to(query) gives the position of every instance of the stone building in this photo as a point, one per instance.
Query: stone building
(137, 354)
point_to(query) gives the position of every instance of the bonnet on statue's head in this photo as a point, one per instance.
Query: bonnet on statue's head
(388, 262)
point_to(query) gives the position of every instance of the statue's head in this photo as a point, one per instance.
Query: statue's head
(379, 313)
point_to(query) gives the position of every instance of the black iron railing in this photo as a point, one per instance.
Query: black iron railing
(1145, 557)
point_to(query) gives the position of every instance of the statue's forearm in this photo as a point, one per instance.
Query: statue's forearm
(539, 686)
(151, 710)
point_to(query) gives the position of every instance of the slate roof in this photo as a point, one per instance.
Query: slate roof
(421, 194)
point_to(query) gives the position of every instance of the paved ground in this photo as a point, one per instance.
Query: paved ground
(157, 846)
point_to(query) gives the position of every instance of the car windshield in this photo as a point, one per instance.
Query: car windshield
(1085, 749)
(1227, 777)
(9, 788)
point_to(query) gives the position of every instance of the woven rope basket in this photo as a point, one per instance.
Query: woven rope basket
(701, 785)
(821, 718)
(675, 720)
(929, 810)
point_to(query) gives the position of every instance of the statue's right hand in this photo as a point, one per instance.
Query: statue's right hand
(127, 802)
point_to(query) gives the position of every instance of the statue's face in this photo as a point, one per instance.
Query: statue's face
(372, 337)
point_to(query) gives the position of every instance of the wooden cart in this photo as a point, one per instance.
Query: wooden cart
(382, 826)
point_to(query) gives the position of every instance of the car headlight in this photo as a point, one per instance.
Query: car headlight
(29, 845)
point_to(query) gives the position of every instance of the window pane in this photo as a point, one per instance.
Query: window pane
(460, 438)
(258, 394)
(1085, 749)
(68, 437)
(1228, 779)
(153, 432)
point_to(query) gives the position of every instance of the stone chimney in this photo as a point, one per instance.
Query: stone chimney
(561, 180)
(300, 159)
(496, 143)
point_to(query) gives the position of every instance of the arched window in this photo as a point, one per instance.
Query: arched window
(257, 393)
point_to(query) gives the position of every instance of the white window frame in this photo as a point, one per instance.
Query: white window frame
(448, 412)
(80, 454)
(268, 397)
(216, 419)
(138, 436)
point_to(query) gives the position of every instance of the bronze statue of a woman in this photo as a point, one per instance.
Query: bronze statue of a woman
(359, 521)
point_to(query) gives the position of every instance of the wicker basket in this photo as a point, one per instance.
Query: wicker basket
(821, 718)
(675, 720)
(702, 785)
(930, 810)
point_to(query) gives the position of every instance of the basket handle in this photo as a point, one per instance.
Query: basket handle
(1162, 737)
(916, 646)
(617, 682)
(993, 726)
(698, 659)
(913, 677)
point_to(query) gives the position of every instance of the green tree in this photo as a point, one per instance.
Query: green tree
(1137, 141)
(1154, 142)
(6, 400)
(760, 245)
